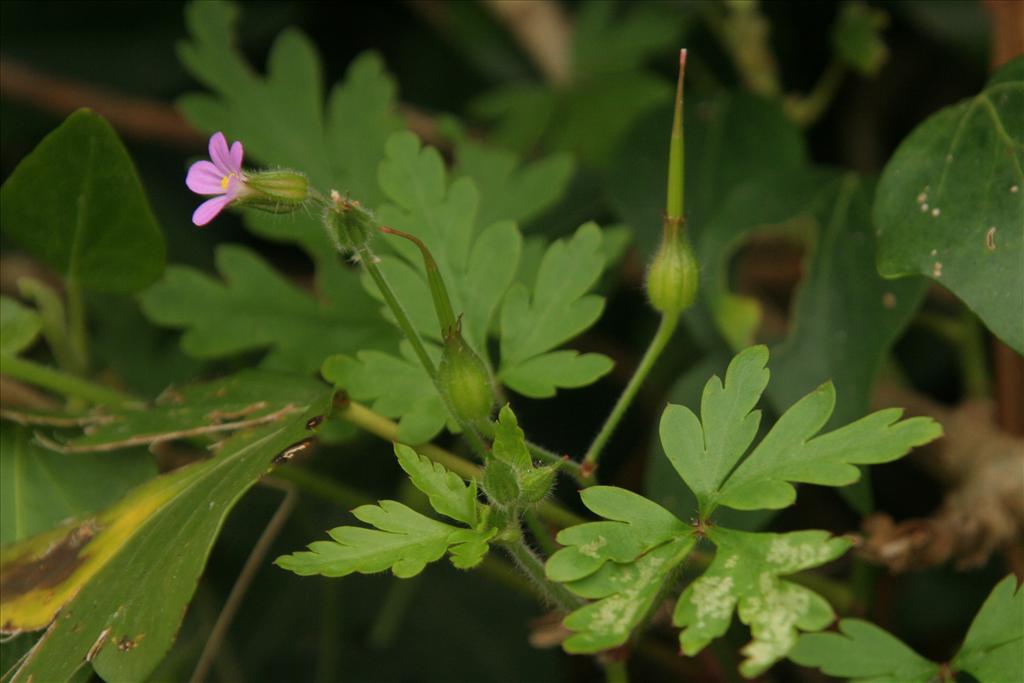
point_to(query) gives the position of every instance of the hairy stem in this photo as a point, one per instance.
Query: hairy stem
(661, 337)
(369, 262)
(533, 567)
(63, 383)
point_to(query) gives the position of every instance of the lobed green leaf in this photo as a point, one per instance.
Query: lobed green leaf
(744, 577)
(994, 647)
(256, 309)
(864, 652)
(558, 309)
(449, 494)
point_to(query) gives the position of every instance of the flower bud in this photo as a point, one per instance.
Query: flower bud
(280, 191)
(464, 381)
(536, 483)
(348, 223)
(500, 483)
(673, 276)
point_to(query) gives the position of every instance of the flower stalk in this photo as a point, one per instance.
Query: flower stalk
(671, 279)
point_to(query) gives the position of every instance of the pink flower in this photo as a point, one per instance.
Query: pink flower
(222, 177)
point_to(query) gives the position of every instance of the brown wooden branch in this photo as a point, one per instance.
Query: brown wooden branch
(140, 118)
(133, 117)
(543, 30)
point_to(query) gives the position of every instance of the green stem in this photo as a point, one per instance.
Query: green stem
(77, 337)
(391, 612)
(532, 566)
(540, 532)
(64, 383)
(54, 318)
(364, 418)
(369, 262)
(658, 343)
(616, 671)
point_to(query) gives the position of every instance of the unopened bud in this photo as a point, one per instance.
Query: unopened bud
(673, 276)
(500, 483)
(348, 223)
(278, 191)
(536, 483)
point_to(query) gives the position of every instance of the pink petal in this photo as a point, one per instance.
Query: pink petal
(237, 152)
(204, 178)
(219, 152)
(209, 209)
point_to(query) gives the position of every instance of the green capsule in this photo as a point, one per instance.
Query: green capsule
(465, 381)
(673, 276)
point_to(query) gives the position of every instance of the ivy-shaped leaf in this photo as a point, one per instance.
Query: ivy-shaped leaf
(120, 593)
(744, 576)
(558, 308)
(992, 652)
(281, 117)
(254, 308)
(40, 488)
(76, 204)
(950, 203)
(402, 539)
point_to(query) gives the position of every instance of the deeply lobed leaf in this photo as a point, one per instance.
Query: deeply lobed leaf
(745, 576)
(625, 594)
(635, 525)
(994, 647)
(705, 452)
(402, 539)
(449, 494)
(864, 652)
(254, 308)
(558, 309)
(992, 652)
